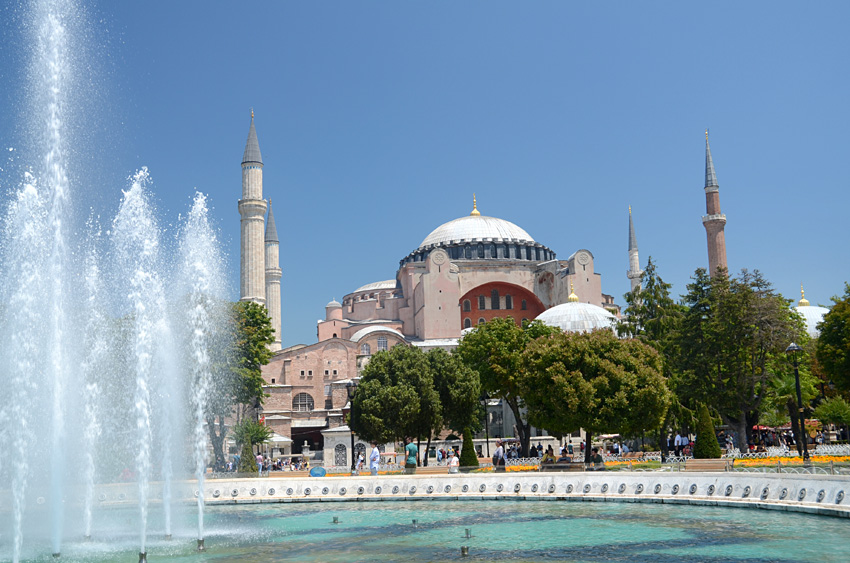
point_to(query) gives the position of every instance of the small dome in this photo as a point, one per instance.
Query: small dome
(813, 315)
(388, 284)
(476, 227)
(577, 317)
(334, 304)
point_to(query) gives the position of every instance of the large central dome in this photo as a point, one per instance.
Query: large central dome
(476, 228)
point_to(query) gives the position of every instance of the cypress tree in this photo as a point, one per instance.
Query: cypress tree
(247, 461)
(468, 457)
(706, 446)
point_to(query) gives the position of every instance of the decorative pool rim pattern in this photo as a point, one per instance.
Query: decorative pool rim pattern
(812, 494)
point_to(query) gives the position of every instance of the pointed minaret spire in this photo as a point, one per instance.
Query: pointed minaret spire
(271, 228)
(714, 221)
(634, 272)
(252, 147)
(710, 176)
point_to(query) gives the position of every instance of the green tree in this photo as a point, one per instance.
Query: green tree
(494, 350)
(732, 329)
(251, 432)
(780, 403)
(396, 397)
(237, 355)
(468, 456)
(254, 335)
(834, 410)
(247, 462)
(706, 446)
(459, 389)
(593, 381)
(833, 347)
(653, 317)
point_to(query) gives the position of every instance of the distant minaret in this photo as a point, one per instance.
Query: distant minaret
(713, 220)
(273, 274)
(252, 209)
(634, 272)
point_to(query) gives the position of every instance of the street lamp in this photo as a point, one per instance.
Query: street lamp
(792, 351)
(351, 389)
(486, 398)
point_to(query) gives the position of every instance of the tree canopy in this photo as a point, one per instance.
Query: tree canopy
(494, 350)
(593, 381)
(730, 332)
(396, 397)
(833, 347)
(459, 389)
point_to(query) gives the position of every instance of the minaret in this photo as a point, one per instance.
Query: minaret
(634, 272)
(713, 220)
(273, 274)
(252, 209)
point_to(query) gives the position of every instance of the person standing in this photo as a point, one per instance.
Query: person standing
(374, 458)
(499, 456)
(411, 453)
(677, 444)
(454, 463)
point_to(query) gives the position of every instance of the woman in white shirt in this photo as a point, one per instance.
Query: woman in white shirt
(454, 463)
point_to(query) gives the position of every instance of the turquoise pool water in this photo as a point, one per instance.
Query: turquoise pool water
(501, 531)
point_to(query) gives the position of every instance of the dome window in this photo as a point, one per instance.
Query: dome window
(481, 251)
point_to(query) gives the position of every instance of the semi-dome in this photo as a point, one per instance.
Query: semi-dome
(577, 317)
(386, 284)
(476, 228)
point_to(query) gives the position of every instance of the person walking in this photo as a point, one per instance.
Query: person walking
(411, 454)
(499, 456)
(374, 458)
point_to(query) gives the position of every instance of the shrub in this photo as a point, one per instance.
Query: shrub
(468, 457)
(247, 461)
(706, 446)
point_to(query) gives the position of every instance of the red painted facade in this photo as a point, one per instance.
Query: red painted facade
(513, 301)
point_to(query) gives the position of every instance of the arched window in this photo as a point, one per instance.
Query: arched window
(340, 455)
(481, 321)
(365, 349)
(509, 302)
(524, 305)
(360, 448)
(467, 306)
(302, 402)
(467, 323)
(382, 343)
(481, 251)
(492, 251)
(481, 303)
(494, 299)
(467, 251)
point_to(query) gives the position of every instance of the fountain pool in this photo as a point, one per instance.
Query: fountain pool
(501, 531)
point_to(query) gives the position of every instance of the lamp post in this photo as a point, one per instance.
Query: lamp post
(486, 398)
(792, 351)
(351, 389)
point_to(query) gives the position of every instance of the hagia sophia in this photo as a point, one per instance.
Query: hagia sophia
(463, 273)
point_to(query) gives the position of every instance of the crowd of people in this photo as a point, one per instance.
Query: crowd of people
(267, 464)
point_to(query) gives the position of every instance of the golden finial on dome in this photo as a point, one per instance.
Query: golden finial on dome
(573, 298)
(252, 114)
(475, 212)
(630, 209)
(706, 134)
(803, 302)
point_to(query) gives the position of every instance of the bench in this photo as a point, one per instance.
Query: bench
(708, 464)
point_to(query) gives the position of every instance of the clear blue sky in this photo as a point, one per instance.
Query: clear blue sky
(378, 120)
